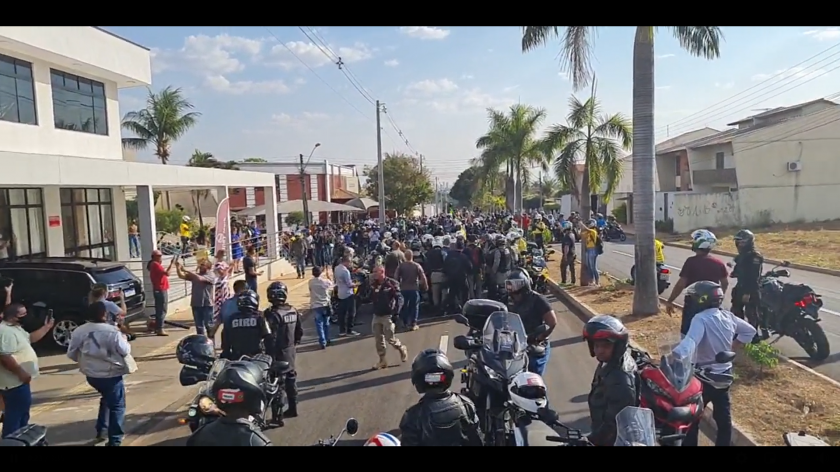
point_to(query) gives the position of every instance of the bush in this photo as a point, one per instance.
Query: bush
(666, 226)
(620, 213)
(763, 354)
(294, 218)
(168, 221)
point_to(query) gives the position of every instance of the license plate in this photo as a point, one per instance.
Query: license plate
(663, 277)
(129, 292)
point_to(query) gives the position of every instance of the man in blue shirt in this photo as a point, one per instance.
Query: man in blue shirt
(346, 301)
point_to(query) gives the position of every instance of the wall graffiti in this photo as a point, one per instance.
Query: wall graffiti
(699, 210)
(705, 209)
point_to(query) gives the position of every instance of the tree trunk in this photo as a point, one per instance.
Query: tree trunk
(518, 189)
(510, 193)
(645, 296)
(584, 218)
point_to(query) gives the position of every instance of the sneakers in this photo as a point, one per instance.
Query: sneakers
(382, 364)
(415, 327)
(403, 353)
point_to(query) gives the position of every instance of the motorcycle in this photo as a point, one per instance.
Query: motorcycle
(31, 435)
(551, 418)
(536, 267)
(361, 293)
(612, 233)
(495, 359)
(663, 277)
(203, 408)
(802, 439)
(673, 389)
(792, 310)
(635, 427)
(351, 427)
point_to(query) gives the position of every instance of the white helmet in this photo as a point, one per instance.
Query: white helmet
(186, 218)
(427, 238)
(395, 230)
(703, 239)
(387, 235)
(383, 439)
(527, 391)
(438, 242)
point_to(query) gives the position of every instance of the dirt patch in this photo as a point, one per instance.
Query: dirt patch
(815, 244)
(766, 402)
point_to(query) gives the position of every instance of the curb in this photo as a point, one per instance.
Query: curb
(707, 424)
(792, 265)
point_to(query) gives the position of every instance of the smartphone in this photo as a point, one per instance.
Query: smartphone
(49, 316)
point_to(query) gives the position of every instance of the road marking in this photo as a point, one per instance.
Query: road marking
(830, 312)
(444, 343)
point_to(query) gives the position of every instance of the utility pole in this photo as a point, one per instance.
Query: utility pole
(303, 189)
(437, 197)
(422, 204)
(540, 190)
(380, 167)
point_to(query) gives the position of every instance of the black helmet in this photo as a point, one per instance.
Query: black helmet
(431, 372)
(606, 328)
(744, 240)
(499, 241)
(518, 281)
(478, 310)
(277, 293)
(248, 301)
(195, 350)
(240, 383)
(704, 295)
(416, 245)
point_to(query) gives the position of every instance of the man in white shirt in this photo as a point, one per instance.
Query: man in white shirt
(712, 331)
(320, 293)
(346, 301)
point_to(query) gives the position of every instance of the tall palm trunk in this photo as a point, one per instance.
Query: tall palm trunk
(645, 298)
(510, 188)
(518, 190)
(584, 216)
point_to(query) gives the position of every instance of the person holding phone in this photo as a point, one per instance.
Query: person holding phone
(116, 312)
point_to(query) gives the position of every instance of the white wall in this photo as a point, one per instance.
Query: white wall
(704, 159)
(705, 210)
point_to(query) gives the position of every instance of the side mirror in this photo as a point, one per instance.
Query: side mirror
(724, 356)
(352, 426)
(548, 416)
(282, 367)
(461, 343)
(783, 273)
(462, 320)
(191, 376)
(785, 263)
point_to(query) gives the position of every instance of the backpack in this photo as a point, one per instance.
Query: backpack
(599, 245)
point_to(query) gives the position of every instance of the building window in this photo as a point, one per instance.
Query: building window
(719, 160)
(22, 232)
(79, 103)
(677, 166)
(88, 222)
(17, 91)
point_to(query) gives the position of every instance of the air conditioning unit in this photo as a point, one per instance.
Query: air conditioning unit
(794, 166)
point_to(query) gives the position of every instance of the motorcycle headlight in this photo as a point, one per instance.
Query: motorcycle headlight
(491, 373)
(206, 405)
(192, 412)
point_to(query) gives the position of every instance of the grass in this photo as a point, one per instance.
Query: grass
(765, 402)
(814, 244)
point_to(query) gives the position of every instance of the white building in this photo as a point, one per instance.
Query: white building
(63, 175)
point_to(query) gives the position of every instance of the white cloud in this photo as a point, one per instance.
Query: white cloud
(663, 87)
(664, 56)
(221, 84)
(724, 85)
(431, 87)
(300, 81)
(563, 75)
(467, 77)
(220, 54)
(304, 118)
(798, 73)
(824, 34)
(392, 63)
(425, 32)
(510, 89)
(312, 55)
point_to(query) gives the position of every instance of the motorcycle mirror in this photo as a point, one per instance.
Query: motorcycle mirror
(462, 320)
(461, 343)
(548, 416)
(785, 263)
(724, 356)
(352, 426)
(191, 376)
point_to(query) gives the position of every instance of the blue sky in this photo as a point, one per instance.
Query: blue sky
(257, 100)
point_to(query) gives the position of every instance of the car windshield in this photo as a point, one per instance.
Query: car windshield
(635, 427)
(504, 334)
(114, 275)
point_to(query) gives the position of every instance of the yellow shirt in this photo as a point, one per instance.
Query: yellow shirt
(589, 236)
(659, 250)
(14, 341)
(185, 230)
(521, 246)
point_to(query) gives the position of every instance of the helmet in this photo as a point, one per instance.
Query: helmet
(703, 239)
(446, 241)
(527, 391)
(277, 293)
(437, 243)
(431, 372)
(478, 310)
(248, 301)
(518, 281)
(240, 383)
(185, 219)
(592, 223)
(387, 235)
(416, 245)
(383, 439)
(427, 238)
(195, 350)
(606, 328)
(704, 295)
(499, 240)
(744, 240)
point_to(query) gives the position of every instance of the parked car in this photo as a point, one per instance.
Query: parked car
(62, 284)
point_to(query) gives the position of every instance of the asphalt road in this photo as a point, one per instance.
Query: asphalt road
(618, 259)
(338, 383)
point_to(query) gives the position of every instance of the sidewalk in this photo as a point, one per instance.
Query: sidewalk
(68, 406)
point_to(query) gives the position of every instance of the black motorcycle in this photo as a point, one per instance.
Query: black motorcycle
(351, 427)
(792, 310)
(663, 277)
(613, 233)
(495, 355)
(361, 292)
(32, 435)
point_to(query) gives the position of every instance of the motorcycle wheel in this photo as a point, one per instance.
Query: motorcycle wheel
(662, 286)
(811, 337)
(623, 237)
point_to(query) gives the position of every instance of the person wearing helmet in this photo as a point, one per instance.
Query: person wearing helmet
(614, 382)
(437, 279)
(713, 330)
(500, 263)
(701, 266)
(747, 272)
(535, 310)
(245, 331)
(286, 332)
(238, 393)
(441, 417)
(186, 234)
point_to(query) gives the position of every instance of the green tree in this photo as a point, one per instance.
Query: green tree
(294, 218)
(406, 184)
(466, 187)
(575, 56)
(254, 159)
(166, 118)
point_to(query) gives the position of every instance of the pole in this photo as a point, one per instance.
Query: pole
(540, 189)
(437, 197)
(380, 167)
(303, 189)
(422, 204)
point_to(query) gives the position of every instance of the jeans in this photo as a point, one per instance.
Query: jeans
(203, 318)
(322, 324)
(111, 407)
(722, 414)
(346, 314)
(537, 365)
(251, 283)
(300, 264)
(591, 256)
(134, 245)
(161, 306)
(18, 402)
(318, 255)
(411, 307)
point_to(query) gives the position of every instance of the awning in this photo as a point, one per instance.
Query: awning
(363, 203)
(315, 206)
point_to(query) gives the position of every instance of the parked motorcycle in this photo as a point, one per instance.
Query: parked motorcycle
(496, 359)
(635, 427)
(537, 269)
(663, 277)
(613, 233)
(351, 427)
(32, 435)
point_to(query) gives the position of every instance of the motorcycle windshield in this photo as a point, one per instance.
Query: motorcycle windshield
(635, 427)
(538, 262)
(504, 335)
(677, 363)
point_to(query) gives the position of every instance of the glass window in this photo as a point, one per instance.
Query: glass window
(88, 222)
(17, 91)
(66, 196)
(68, 227)
(37, 243)
(33, 196)
(80, 216)
(105, 195)
(19, 229)
(79, 104)
(107, 223)
(91, 195)
(6, 249)
(95, 224)
(17, 196)
(78, 195)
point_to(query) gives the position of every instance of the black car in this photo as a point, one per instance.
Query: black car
(62, 284)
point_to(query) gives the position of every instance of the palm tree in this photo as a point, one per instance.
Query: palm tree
(166, 118)
(547, 189)
(576, 51)
(201, 159)
(511, 141)
(594, 140)
(254, 159)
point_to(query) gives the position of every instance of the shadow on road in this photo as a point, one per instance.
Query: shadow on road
(812, 363)
(353, 387)
(332, 378)
(83, 433)
(582, 398)
(567, 341)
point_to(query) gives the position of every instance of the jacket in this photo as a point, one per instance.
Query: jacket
(286, 333)
(613, 389)
(386, 297)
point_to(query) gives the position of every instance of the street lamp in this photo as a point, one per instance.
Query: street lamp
(303, 183)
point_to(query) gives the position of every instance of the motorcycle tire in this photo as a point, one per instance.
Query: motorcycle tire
(623, 237)
(816, 344)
